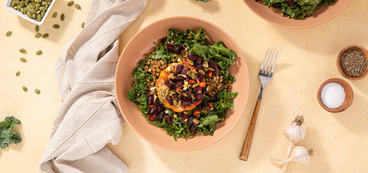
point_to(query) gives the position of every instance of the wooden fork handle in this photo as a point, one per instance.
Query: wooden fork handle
(248, 138)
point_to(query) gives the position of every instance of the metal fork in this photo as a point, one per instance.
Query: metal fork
(265, 76)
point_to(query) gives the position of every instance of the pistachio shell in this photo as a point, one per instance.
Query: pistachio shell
(190, 62)
(175, 102)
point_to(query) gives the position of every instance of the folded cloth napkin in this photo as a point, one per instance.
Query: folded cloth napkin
(89, 118)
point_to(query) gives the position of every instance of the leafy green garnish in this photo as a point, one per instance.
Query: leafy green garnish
(162, 53)
(226, 101)
(222, 50)
(209, 120)
(188, 38)
(300, 9)
(140, 88)
(175, 129)
(208, 124)
(203, 50)
(324, 3)
(7, 135)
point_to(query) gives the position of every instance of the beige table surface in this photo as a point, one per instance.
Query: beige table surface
(307, 58)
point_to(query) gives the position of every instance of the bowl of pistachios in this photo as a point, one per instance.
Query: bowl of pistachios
(34, 11)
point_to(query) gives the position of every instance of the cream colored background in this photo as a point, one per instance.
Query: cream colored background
(307, 58)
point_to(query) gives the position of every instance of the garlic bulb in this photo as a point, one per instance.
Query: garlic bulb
(294, 133)
(299, 154)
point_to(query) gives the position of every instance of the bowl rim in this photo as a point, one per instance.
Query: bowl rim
(18, 13)
(297, 26)
(349, 95)
(338, 64)
(239, 55)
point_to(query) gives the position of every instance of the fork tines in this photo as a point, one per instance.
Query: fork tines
(270, 61)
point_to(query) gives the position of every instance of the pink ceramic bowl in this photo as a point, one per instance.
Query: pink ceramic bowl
(319, 16)
(140, 44)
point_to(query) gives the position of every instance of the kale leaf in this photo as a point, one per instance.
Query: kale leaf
(225, 102)
(222, 50)
(161, 53)
(203, 50)
(176, 37)
(208, 124)
(140, 88)
(222, 56)
(175, 129)
(299, 9)
(324, 3)
(7, 135)
(188, 38)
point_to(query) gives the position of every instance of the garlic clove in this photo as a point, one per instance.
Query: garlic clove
(299, 154)
(294, 133)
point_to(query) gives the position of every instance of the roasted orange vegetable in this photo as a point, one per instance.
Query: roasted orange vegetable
(161, 87)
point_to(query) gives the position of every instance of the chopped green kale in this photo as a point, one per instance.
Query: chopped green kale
(299, 9)
(7, 135)
(138, 94)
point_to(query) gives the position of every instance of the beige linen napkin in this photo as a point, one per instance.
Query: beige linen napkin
(89, 118)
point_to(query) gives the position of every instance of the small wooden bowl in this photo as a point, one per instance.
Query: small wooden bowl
(348, 95)
(356, 47)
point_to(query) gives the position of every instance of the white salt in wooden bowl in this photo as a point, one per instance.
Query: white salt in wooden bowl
(348, 95)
